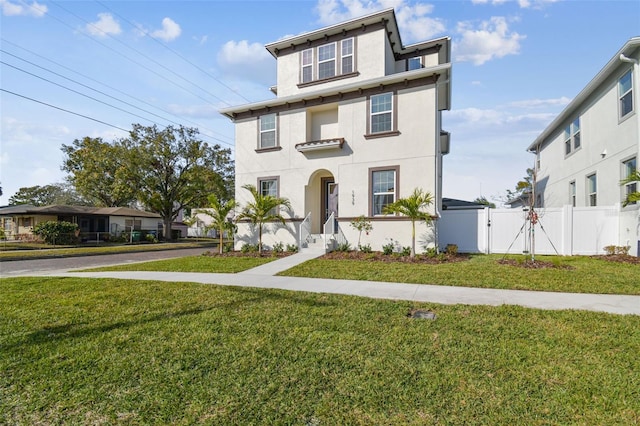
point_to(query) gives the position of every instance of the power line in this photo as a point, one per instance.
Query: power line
(146, 33)
(142, 54)
(107, 86)
(65, 110)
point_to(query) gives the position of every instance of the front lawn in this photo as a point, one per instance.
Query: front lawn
(573, 274)
(213, 264)
(78, 351)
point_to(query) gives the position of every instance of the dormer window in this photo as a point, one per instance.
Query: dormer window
(328, 61)
(414, 63)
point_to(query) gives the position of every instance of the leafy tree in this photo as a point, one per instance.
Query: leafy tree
(483, 200)
(361, 224)
(53, 232)
(98, 170)
(218, 212)
(524, 188)
(57, 193)
(263, 208)
(632, 197)
(414, 208)
(173, 169)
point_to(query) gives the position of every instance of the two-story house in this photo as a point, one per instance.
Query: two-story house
(354, 126)
(594, 143)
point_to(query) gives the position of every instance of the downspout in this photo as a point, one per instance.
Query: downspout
(636, 106)
(437, 180)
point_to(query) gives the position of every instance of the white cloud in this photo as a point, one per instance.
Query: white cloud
(34, 9)
(169, 32)
(524, 4)
(104, 26)
(537, 103)
(413, 20)
(242, 59)
(201, 40)
(491, 39)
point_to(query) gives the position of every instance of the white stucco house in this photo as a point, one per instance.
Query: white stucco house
(594, 143)
(355, 125)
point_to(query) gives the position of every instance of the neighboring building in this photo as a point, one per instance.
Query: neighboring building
(356, 125)
(18, 221)
(595, 142)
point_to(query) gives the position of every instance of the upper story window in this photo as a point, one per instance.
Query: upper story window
(572, 137)
(381, 119)
(625, 91)
(327, 61)
(572, 193)
(628, 168)
(592, 190)
(414, 63)
(383, 184)
(268, 131)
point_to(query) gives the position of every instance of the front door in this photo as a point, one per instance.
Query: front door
(329, 199)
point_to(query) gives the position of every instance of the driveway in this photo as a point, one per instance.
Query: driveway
(39, 266)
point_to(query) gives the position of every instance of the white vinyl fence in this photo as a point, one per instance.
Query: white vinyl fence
(566, 230)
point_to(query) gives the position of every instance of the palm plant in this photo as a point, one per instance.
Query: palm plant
(414, 207)
(263, 208)
(219, 212)
(632, 197)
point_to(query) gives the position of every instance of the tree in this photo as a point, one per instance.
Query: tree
(523, 189)
(98, 171)
(57, 193)
(483, 200)
(634, 196)
(173, 169)
(219, 212)
(361, 224)
(414, 207)
(263, 208)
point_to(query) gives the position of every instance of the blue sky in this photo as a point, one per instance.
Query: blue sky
(516, 64)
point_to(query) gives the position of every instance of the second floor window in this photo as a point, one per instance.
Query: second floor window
(628, 168)
(592, 190)
(381, 113)
(347, 56)
(307, 65)
(625, 91)
(268, 137)
(326, 61)
(572, 137)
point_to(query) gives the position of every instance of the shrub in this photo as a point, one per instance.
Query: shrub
(406, 251)
(344, 247)
(431, 252)
(610, 250)
(387, 249)
(227, 247)
(278, 247)
(292, 248)
(53, 232)
(451, 249)
(249, 248)
(365, 248)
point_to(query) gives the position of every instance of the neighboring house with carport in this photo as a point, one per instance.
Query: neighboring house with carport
(593, 144)
(355, 125)
(18, 221)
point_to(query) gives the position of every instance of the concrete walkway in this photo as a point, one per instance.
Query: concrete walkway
(263, 277)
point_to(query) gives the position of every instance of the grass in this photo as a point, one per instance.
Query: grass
(588, 275)
(40, 251)
(193, 264)
(75, 351)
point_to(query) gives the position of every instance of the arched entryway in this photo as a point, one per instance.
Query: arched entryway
(321, 198)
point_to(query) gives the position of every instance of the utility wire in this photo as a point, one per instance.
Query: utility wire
(107, 86)
(146, 33)
(142, 54)
(65, 110)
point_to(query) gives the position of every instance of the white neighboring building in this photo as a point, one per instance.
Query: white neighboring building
(355, 125)
(594, 143)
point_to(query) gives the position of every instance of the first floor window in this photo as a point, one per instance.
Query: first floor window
(383, 189)
(268, 187)
(268, 131)
(629, 167)
(381, 113)
(592, 187)
(572, 193)
(625, 91)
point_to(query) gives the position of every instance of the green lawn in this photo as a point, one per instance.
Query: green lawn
(78, 351)
(587, 274)
(193, 264)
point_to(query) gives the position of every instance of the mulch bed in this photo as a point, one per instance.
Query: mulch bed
(250, 254)
(620, 258)
(378, 256)
(532, 264)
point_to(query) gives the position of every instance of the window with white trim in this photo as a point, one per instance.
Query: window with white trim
(572, 193)
(628, 168)
(269, 186)
(383, 189)
(572, 137)
(414, 63)
(346, 58)
(307, 65)
(268, 131)
(625, 92)
(326, 61)
(381, 115)
(592, 190)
